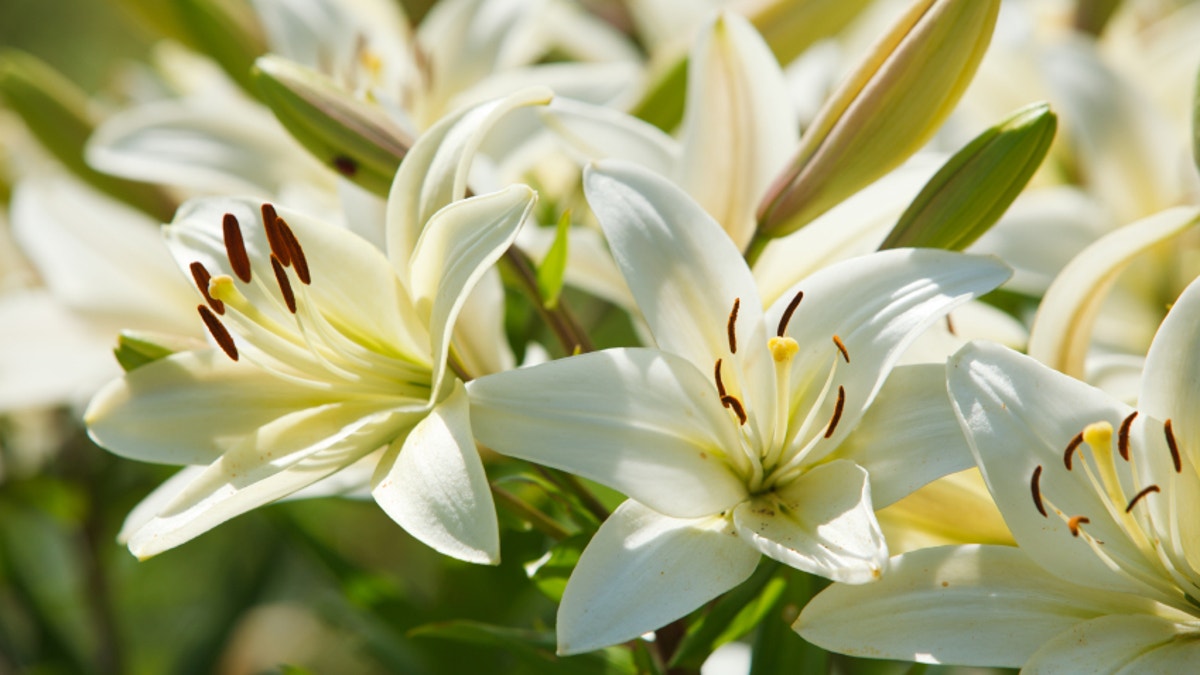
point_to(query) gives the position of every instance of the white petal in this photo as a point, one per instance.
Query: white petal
(597, 132)
(436, 488)
(1018, 415)
(480, 344)
(101, 257)
(276, 461)
(147, 509)
(641, 421)
(1062, 329)
(190, 407)
(230, 147)
(876, 305)
(642, 571)
(909, 436)
(1171, 379)
(969, 605)
(435, 171)
(1129, 645)
(50, 355)
(822, 523)
(459, 244)
(740, 127)
(686, 275)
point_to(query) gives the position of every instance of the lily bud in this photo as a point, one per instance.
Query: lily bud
(791, 26)
(56, 113)
(356, 139)
(884, 111)
(972, 190)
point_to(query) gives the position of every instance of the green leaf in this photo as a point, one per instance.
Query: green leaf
(534, 648)
(976, 186)
(56, 112)
(663, 103)
(228, 31)
(137, 348)
(550, 572)
(777, 648)
(735, 614)
(554, 265)
(350, 136)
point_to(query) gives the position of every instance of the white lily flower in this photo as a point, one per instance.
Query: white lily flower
(734, 438)
(1101, 498)
(331, 350)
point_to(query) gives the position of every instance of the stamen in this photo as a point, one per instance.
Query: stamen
(1123, 436)
(720, 384)
(219, 333)
(235, 248)
(1075, 443)
(274, 238)
(731, 325)
(285, 286)
(201, 276)
(1035, 486)
(787, 313)
(733, 403)
(1172, 446)
(1074, 522)
(299, 261)
(950, 326)
(841, 348)
(837, 411)
(1145, 491)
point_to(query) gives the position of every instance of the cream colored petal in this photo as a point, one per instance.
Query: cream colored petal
(954, 509)
(1062, 330)
(1136, 644)
(638, 420)
(739, 127)
(643, 570)
(967, 605)
(822, 523)
(436, 488)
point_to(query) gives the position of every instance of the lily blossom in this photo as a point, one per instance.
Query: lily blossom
(326, 351)
(738, 435)
(1101, 498)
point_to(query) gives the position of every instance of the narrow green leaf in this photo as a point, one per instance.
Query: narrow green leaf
(976, 186)
(554, 265)
(347, 135)
(135, 348)
(56, 112)
(550, 572)
(663, 103)
(735, 614)
(777, 648)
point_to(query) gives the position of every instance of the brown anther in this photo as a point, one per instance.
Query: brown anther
(274, 238)
(734, 404)
(1123, 436)
(1173, 446)
(235, 248)
(218, 331)
(837, 411)
(1036, 487)
(1136, 498)
(841, 348)
(950, 326)
(1074, 522)
(1075, 443)
(201, 276)
(345, 166)
(787, 313)
(717, 377)
(285, 286)
(731, 325)
(299, 260)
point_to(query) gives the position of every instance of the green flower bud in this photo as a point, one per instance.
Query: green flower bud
(884, 111)
(356, 139)
(972, 190)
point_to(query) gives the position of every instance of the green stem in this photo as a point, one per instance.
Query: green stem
(757, 245)
(540, 521)
(560, 319)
